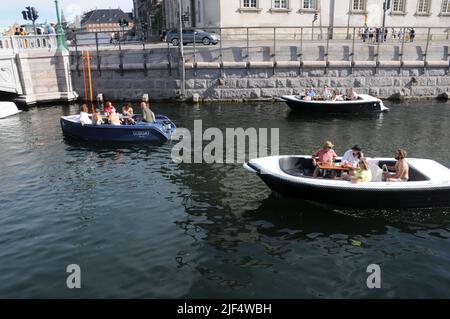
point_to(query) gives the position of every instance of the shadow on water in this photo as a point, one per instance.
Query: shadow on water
(248, 218)
(285, 213)
(108, 146)
(293, 116)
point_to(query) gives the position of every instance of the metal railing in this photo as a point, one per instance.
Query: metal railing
(275, 44)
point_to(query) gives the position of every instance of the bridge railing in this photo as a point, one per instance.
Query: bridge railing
(16, 44)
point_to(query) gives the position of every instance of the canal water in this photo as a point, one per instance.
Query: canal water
(140, 225)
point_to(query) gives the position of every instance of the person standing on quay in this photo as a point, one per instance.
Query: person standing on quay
(412, 34)
(51, 29)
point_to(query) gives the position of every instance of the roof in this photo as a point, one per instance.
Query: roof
(104, 16)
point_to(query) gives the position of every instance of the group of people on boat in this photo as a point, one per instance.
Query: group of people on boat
(329, 94)
(357, 165)
(112, 117)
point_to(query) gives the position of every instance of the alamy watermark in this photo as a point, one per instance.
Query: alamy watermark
(374, 279)
(74, 279)
(237, 141)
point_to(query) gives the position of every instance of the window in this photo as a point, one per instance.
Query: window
(445, 6)
(398, 6)
(423, 6)
(249, 4)
(359, 5)
(310, 4)
(280, 4)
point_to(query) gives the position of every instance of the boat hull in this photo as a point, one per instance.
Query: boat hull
(365, 105)
(8, 109)
(144, 132)
(424, 198)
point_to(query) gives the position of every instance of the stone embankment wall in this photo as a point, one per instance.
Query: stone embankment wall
(264, 80)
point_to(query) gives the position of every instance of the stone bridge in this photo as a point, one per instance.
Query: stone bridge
(33, 71)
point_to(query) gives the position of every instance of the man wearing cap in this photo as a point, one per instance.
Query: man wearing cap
(352, 156)
(325, 154)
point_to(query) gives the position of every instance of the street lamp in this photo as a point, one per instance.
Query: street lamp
(181, 61)
(348, 18)
(60, 37)
(386, 7)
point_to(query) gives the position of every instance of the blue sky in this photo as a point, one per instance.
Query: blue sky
(10, 11)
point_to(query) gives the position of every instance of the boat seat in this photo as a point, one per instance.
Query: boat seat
(297, 166)
(376, 171)
(414, 174)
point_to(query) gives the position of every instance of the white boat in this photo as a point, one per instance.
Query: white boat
(364, 104)
(8, 109)
(428, 184)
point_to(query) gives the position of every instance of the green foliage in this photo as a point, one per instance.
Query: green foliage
(159, 20)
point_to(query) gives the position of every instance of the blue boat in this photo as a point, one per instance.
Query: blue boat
(159, 132)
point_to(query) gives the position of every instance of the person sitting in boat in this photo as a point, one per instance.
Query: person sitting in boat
(351, 94)
(109, 108)
(401, 168)
(326, 93)
(114, 118)
(362, 172)
(326, 154)
(312, 93)
(97, 118)
(336, 96)
(352, 157)
(306, 96)
(84, 116)
(127, 110)
(147, 114)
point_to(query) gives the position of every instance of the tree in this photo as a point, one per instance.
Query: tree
(159, 20)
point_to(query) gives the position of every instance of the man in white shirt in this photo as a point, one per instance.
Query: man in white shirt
(84, 116)
(352, 156)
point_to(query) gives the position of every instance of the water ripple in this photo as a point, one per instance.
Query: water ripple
(140, 225)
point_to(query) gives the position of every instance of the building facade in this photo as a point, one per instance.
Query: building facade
(103, 20)
(306, 13)
(149, 16)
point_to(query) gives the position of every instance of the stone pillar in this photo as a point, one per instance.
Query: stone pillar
(45, 77)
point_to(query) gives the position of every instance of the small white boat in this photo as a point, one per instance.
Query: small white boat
(364, 104)
(8, 109)
(428, 184)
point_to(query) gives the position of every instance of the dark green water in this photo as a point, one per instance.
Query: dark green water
(140, 225)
